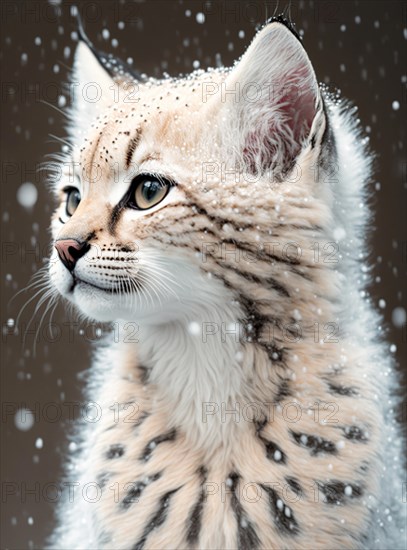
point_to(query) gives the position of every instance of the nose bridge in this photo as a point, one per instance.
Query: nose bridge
(88, 220)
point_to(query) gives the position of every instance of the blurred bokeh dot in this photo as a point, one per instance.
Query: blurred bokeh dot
(24, 419)
(398, 316)
(27, 195)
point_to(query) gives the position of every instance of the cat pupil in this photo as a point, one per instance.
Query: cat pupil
(150, 189)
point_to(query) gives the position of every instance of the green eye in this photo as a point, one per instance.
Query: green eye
(149, 192)
(73, 198)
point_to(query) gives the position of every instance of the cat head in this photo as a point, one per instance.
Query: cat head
(165, 175)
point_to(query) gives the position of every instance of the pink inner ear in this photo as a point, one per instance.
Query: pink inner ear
(298, 104)
(282, 124)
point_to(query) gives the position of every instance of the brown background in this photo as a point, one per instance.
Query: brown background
(366, 59)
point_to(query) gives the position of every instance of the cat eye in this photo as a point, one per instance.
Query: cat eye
(73, 198)
(148, 191)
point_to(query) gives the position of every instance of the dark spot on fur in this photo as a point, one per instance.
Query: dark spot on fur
(283, 391)
(151, 445)
(144, 374)
(354, 433)
(194, 522)
(339, 389)
(157, 519)
(247, 538)
(282, 514)
(336, 492)
(294, 485)
(102, 479)
(275, 354)
(125, 248)
(115, 451)
(260, 424)
(317, 445)
(134, 492)
(273, 451)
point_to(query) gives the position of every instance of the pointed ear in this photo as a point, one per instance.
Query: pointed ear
(277, 104)
(93, 88)
(96, 79)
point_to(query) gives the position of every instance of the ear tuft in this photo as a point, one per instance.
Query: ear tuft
(290, 25)
(95, 77)
(116, 68)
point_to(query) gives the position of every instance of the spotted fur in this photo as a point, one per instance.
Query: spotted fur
(243, 432)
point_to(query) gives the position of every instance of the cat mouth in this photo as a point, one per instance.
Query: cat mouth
(117, 289)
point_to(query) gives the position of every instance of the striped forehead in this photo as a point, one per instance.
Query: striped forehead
(107, 150)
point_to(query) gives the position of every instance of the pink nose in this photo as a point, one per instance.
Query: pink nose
(70, 250)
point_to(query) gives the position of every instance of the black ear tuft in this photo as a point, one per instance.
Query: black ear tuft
(114, 66)
(290, 25)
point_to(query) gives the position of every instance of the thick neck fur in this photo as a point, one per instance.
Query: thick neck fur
(194, 370)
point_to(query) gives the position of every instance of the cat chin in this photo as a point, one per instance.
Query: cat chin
(95, 312)
(106, 307)
(96, 304)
